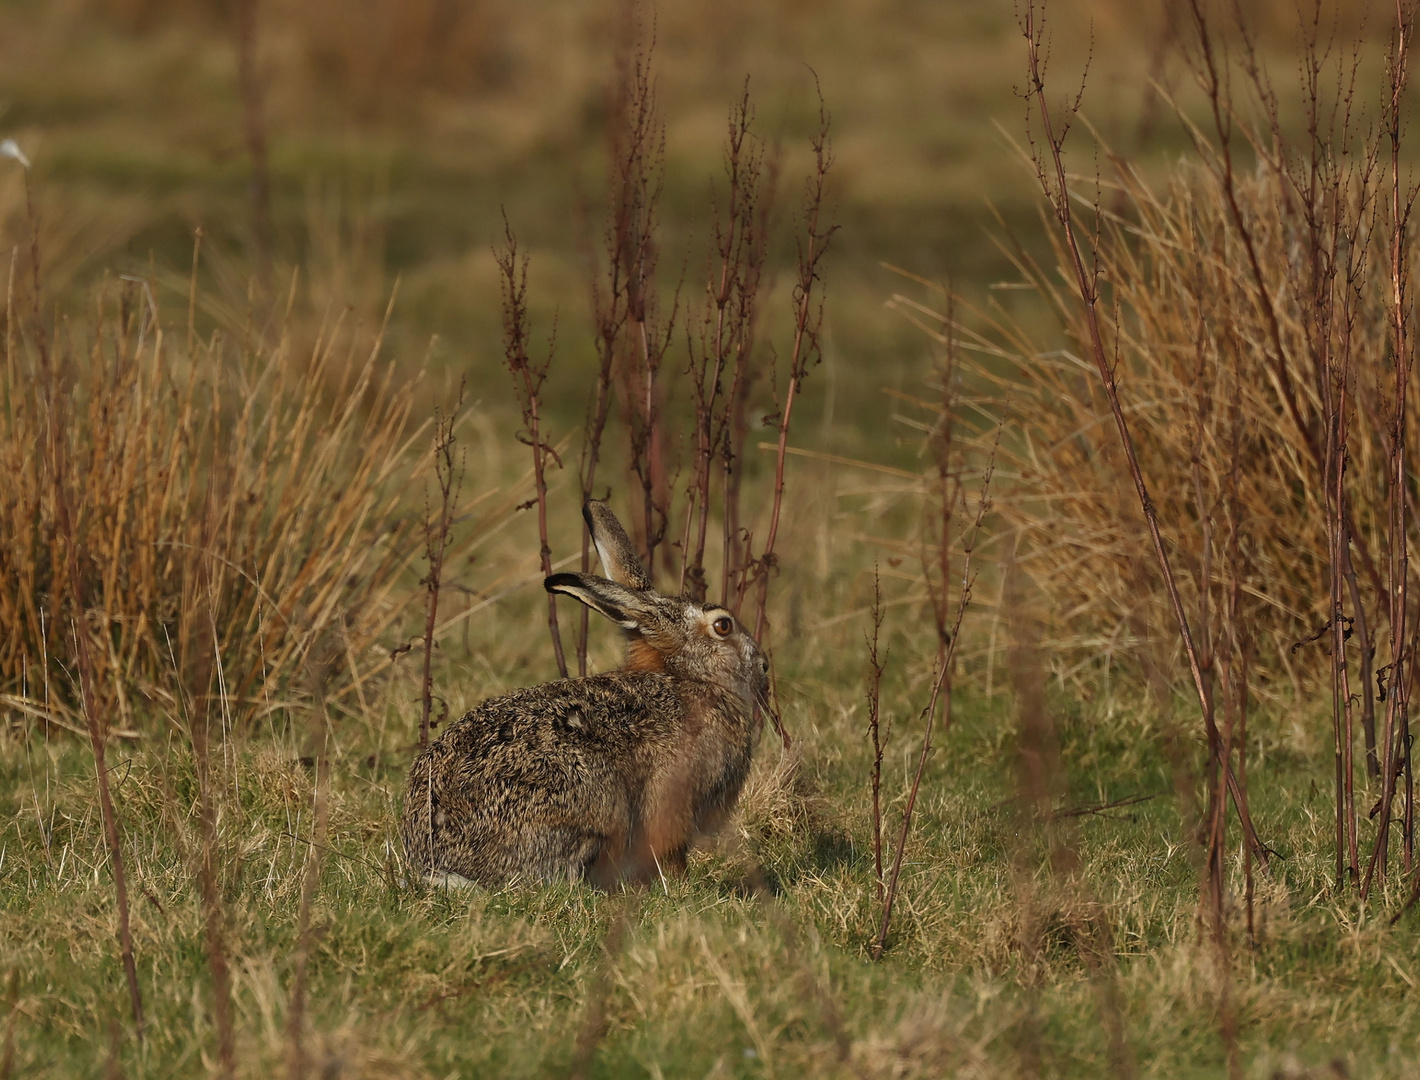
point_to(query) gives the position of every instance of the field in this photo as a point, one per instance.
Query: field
(226, 418)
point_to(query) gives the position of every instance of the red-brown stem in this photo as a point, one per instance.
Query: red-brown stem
(735, 556)
(1217, 802)
(448, 476)
(528, 378)
(1367, 649)
(1334, 401)
(1397, 720)
(726, 336)
(876, 664)
(628, 131)
(1212, 85)
(1058, 193)
(930, 715)
(1400, 218)
(69, 528)
(296, 1015)
(941, 682)
(631, 337)
(938, 576)
(254, 115)
(1237, 642)
(804, 354)
(591, 455)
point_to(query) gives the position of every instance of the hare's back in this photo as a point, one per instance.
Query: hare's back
(571, 751)
(539, 780)
(616, 713)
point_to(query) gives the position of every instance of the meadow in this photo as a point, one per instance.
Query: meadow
(320, 325)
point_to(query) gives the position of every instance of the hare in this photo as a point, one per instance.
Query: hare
(605, 778)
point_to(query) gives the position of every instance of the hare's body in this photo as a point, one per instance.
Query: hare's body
(607, 777)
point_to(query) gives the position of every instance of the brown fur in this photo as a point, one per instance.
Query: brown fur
(641, 655)
(606, 778)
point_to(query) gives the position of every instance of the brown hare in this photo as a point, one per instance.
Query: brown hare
(605, 778)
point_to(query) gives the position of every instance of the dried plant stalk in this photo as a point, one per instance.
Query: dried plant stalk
(941, 688)
(528, 377)
(1050, 167)
(877, 735)
(804, 354)
(724, 348)
(448, 478)
(1396, 740)
(55, 476)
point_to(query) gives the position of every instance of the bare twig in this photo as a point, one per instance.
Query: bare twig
(528, 377)
(1396, 740)
(448, 477)
(941, 682)
(805, 353)
(725, 344)
(876, 663)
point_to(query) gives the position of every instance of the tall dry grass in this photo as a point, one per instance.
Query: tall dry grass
(1186, 322)
(269, 480)
(1232, 373)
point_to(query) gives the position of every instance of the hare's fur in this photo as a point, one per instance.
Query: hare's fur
(603, 778)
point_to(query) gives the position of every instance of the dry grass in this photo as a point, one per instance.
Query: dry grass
(1186, 320)
(275, 482)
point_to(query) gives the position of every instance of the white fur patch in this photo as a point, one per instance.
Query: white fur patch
(444, 879)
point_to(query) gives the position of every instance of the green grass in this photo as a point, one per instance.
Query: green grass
(711, 977)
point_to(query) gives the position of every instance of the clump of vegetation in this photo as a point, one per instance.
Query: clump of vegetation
(1220, 447)
(277, 480)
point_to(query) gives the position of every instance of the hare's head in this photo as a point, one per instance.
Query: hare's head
(670, 634)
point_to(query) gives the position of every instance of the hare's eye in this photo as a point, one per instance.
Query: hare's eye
(723, 625)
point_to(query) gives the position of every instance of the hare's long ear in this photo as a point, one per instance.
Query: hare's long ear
(617, 603)
(619, 559)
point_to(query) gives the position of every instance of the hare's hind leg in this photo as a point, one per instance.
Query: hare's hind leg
(560, 853)
(659, 847)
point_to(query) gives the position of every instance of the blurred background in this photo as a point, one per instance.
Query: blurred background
(398, 132)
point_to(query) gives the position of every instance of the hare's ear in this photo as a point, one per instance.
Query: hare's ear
(619, 604)
(619, 559)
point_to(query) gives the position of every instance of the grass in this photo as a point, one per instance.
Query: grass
(757, 962)
(710, 979)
